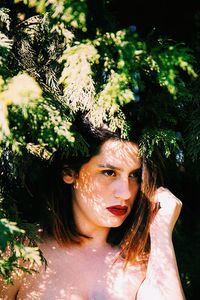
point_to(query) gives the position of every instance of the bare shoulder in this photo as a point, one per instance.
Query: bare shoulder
(9, 291)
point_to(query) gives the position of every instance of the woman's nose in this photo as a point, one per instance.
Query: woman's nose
(122, 189)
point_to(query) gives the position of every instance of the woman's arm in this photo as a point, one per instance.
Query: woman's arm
(162, 281)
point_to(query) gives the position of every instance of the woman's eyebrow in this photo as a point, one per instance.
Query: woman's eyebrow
(108, 166)
(116, 168)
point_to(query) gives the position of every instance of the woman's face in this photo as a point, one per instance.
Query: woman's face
(107, 185)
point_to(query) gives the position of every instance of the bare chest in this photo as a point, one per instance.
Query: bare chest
(83, 277)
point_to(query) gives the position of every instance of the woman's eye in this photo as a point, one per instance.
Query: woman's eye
(108, 172)
(136, 175)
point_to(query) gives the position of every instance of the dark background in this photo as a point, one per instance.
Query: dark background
(174, 19)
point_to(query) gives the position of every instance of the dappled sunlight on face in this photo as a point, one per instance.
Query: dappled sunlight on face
(108, 179)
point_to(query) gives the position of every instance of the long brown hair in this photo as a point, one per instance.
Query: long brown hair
(132, 235)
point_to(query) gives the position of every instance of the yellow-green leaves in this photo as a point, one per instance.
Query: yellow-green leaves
(76, 77)
(18, 93)
(16, 256)
(14, 92)
(163, 139)
(166, 59)
(71, 12)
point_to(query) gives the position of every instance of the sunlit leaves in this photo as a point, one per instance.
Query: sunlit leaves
(17, 253)
(13, 92)
(5, 18)
(42, 124)
(116, 91)
(16, 93)
(5, 42)
(167, 59)
(76, 77)
(70, 12)
(163, 139)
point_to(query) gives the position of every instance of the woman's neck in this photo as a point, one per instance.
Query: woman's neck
(97, 239)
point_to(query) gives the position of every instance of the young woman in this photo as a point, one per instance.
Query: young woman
(110, 230)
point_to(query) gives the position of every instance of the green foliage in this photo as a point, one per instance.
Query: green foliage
(16, 252)
(8, 229)
(70, 12)
(166, 59)
(193, 136)
(153, 139)
(120, 58)
(54, 132)
(76, 76)
(5, 42)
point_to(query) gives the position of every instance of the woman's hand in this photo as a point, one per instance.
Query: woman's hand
(167, 211)
(162, 280)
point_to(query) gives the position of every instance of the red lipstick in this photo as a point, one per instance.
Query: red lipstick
(118, 210)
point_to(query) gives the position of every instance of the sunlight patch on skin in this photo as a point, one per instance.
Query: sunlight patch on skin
(49, 289)
(40, 290)
(121, 283)
(123, 150)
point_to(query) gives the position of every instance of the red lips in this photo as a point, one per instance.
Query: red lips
(118, 210)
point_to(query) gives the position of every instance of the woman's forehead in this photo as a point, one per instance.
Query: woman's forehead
(121, 146)
(116, 152)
